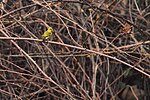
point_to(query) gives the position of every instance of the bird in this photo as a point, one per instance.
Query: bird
(46, 35)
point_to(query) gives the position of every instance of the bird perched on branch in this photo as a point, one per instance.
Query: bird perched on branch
(46, 35)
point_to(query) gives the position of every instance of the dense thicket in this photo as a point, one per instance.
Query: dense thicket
(100, 49)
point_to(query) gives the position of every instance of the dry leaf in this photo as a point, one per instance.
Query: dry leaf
(126, 29)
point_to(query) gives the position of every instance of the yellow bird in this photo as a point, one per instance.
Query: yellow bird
(47, 33)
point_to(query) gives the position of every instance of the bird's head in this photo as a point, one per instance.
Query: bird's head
(50, 29)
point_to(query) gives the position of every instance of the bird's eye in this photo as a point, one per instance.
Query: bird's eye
(50, 28)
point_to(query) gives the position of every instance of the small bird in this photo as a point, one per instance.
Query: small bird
(46, 35)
